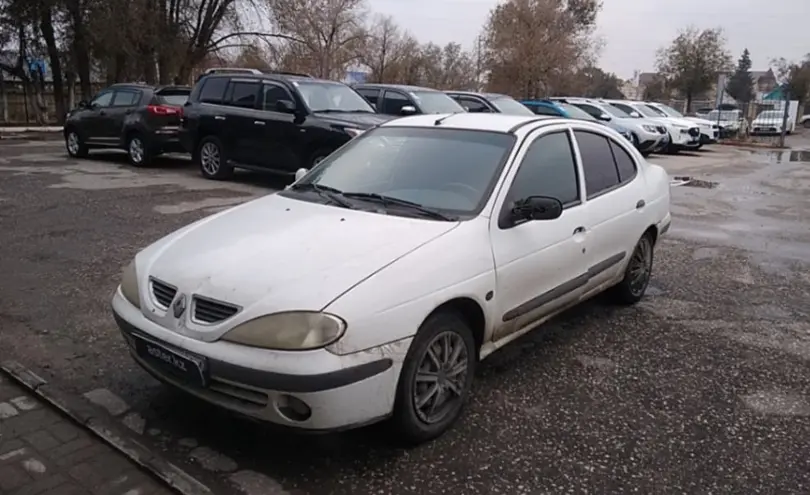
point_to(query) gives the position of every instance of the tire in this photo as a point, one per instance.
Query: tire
(806, 124)
(138, 150)
(74, 144)
(631, 289)
(697, 148)
(413, 425)
(211, 159)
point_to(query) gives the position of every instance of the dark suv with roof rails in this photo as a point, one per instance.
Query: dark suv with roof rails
(400, 100)
(270, 122)
(141, 119)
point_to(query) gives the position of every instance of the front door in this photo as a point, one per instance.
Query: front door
(540, 265)
(281, 132)
(393, 101)
(94, 122)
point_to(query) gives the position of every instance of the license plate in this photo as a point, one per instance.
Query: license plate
(182, 365)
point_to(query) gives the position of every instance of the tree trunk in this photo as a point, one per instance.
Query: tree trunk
(46, 25)
(4, 96)
(688, 102)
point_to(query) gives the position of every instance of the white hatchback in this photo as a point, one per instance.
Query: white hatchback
(371, 287)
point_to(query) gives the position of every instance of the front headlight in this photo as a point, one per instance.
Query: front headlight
(353, 132)
(289, 331)
(649, 128)
(129, 285)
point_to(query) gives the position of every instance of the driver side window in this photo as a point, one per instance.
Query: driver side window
(548, 169)
(102, 99)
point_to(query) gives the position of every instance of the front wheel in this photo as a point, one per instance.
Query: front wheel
(637, 274)
(75, 145)
(436, 378)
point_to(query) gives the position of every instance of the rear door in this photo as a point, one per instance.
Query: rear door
(244, 130)
(124, 102)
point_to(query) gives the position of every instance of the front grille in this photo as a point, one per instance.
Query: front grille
(661, 129)
(209, 311)
(162, 292)
(694, 132)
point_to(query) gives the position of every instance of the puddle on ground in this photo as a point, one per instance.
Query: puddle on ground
(684, 180)
(782, 156)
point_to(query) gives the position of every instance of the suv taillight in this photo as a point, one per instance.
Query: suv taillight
(164, 110)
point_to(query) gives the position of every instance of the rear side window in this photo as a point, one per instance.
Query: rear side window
(126, 98)
(243, 94)
(624, 162)
(597, 163)
(473, 105)
(371, 95)
(213, 89)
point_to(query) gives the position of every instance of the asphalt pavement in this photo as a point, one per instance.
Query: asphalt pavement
(703, 387)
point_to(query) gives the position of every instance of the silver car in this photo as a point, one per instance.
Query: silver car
(647, 135)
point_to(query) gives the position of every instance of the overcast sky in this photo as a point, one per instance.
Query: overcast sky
(633, 29)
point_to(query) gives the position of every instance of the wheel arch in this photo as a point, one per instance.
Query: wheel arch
(471, 312)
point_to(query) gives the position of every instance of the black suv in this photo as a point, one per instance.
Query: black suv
(489, 103)
(396, 99)
(270, 122)
(143, 120)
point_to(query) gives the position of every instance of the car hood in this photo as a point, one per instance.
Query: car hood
(283, 253)
(361, 120)
(700, 121)
(673, 121)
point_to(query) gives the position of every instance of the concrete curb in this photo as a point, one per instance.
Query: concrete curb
(86, 415)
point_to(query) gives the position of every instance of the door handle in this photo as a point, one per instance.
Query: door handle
(640, 204)
(258, 122)
(219, 117)
(579, 230)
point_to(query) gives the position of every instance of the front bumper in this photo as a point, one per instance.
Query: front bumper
(341, 392)
(685, 140)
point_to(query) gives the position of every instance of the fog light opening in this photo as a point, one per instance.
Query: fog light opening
(293, 408)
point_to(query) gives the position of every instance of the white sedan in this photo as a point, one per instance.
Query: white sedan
(372, 286)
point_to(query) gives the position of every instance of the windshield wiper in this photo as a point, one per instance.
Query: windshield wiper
(330, 193)
(389, 200)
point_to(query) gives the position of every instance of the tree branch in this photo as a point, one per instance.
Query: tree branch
(214, 45)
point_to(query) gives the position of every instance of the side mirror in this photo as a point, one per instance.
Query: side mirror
(635, 115)
(466, 108)
(407, 110)
(604, 117)
(84, 104)
(285, 106)
(300, 173)
(537, 208)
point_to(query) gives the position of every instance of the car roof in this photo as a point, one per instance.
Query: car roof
(402, 87)
(476, 93)
(271, 76)
(495, 122)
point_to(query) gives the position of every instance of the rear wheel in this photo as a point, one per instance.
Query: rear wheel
(436, 378)
(212, 160)
(138, 151)
(637, 274)
(75, 145)
(806, 124)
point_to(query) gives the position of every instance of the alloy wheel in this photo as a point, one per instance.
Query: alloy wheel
(136, 150)
(210, 158)
(441, 377)
(641, 266)
(73, 143)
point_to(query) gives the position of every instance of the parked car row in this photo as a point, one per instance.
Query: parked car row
(280, 122)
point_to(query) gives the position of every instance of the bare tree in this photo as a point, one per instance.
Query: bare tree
(693, 61)
(382, 49)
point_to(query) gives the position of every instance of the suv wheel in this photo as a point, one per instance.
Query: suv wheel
(213, 164)
(436, 378)
(137, 150)
(74, 144)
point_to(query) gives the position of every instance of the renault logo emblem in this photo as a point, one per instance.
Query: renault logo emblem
(179, 306)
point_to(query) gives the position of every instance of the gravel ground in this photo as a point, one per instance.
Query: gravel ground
(703, 387)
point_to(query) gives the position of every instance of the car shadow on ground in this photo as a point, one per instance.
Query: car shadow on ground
(289, 453)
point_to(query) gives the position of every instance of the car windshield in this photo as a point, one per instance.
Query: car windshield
(770, 115)
(331, 97)
(509, 105)
(576, 112)
(646, 111)
(435, 102)
(448, 170)
(667, 111)
(718, 115)
(617, 112)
